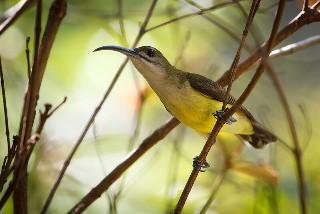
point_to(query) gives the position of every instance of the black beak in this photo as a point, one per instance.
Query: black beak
(126, 51)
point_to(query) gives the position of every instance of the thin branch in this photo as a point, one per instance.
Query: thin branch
(22, 161)
(6, 167)
(220, 122)
(12, 14)
(295, 47)
(57, 107)
(56, 14)
(297, 149)
(147, 143)
(121, 22)
(316, 5)
(200, 12)
(308, 128)
(28, 57)
(299, 21)
(173, 167)
(215, 187)
(254, 7)
(5, 110)
(215, 21)
(305, 5)
(66, 163)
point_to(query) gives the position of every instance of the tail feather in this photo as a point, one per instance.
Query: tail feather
(260, 138)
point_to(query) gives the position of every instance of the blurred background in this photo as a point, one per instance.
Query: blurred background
(240, 179)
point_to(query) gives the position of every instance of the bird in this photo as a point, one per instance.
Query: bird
(193, 99)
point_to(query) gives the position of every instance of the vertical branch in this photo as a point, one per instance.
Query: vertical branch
(305, 5)
(28, 58)
(220, 122)
(299, 21)
(215, 187)
(13, 14)
(121, 22)
(254, 7)
(66, 163)
(218, 23)
(5, 110)
(56, 14)
(296, 145)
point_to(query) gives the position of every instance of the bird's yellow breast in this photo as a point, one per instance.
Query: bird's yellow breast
(196, 111)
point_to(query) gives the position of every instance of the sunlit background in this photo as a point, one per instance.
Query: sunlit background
(262, 181)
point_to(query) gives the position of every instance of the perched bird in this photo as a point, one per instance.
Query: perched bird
(194, 100)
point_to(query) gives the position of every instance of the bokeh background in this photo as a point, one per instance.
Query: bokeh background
(259, 181)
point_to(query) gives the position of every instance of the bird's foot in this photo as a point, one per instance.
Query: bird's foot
(200, 166)
(219, 114)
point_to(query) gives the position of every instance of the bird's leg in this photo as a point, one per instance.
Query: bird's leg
(199, 166)
(219, 114)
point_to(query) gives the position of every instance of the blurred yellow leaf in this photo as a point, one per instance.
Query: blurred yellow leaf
(263, 171)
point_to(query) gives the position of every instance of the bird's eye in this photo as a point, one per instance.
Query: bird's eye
(150, 52)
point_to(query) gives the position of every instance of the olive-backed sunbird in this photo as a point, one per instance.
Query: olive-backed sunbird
(191, 98)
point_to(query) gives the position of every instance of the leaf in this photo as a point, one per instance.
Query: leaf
(262, 171)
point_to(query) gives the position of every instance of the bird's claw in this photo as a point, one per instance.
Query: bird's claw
(219, 114)
(200, 166)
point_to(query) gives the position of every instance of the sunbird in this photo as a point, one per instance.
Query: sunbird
(193, 99)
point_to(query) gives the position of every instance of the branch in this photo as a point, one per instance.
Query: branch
(13, 13)
(305, 5)
(295, 47)
(66, 163)
(220, 122)
(21, 162)
(212, 137)
(215, 21)
(294, 135)
(299, 21)
(147, 143)
(316, 5)
(253, 10)
(55, 16)
(215, 187)
(4, 100)
(200, 12)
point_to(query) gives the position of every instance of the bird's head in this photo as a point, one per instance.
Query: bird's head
(148, 60)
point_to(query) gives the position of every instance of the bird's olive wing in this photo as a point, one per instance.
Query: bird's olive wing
(209, 88)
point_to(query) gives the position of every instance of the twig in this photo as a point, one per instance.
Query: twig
(28, 58)
(5, 110)
(22, 162)
(174, 167)
(299, 21)
(254, 7)
(147, 143)
(203, 11)
(292, 48)
(220, 122)
(79, 141)
(296, 149)
(305, 5)
(29, 111)
(308, 125)
(12, 14)
(316, 5)
(56, 14)
(215, 187)
(121, 23)
(66, 163)
(215, 21)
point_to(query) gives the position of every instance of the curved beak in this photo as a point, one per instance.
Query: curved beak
(126, 51)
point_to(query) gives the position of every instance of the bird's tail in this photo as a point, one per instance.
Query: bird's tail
(261, 136)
